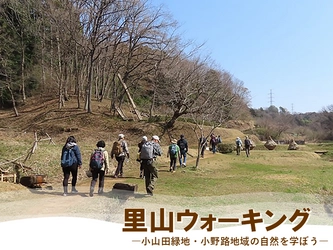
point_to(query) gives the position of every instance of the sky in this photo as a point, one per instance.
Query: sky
(282, 50)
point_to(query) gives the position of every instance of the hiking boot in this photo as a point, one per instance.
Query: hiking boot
(184, 165)
(100, 191)
(91, 191)
(74, 190)
(150, 191)
(65, 191)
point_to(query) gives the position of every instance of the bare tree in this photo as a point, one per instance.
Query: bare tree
(20, 19)
(145, 44)
(228, 102)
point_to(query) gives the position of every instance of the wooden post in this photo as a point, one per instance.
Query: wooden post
(130, 98)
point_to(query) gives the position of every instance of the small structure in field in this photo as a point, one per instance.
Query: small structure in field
(292, 145)
(270, 144)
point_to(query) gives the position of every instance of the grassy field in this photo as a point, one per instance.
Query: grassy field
(280, 170)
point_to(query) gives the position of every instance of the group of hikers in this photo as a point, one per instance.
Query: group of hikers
(247, 145)
(148, 151)
(213, 142)
(99, 165)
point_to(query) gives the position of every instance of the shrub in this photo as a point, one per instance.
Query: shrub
(225, 148)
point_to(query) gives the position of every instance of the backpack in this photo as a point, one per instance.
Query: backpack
(117, 148)
(173, 150)
(238, 143)
(146, 152)
(182, 144)
(97, 159)
(67, 158)
(247, 142)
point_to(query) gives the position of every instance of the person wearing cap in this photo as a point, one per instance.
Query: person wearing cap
(239, 144)
(173, 153)
(143, 140)
(182, 143)
(120, 158)
(148, 154)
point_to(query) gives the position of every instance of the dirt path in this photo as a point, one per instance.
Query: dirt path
(31, 203)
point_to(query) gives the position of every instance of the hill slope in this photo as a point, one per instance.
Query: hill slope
(44, 116)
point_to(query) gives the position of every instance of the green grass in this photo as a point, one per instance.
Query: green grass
(291, 172)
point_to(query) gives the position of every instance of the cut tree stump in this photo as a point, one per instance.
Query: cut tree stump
(321, 152)
(33, 181)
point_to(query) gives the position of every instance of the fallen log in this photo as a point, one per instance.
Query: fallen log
(33, 181)
(125, 187)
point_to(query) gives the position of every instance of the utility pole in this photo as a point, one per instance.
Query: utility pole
(292, 108)
(271, 98)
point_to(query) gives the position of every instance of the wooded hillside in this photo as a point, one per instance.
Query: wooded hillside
(129, 54)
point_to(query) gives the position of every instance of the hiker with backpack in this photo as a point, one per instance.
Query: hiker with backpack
(238, 145)
(213, 142)
(120, 151)
(148, 154)
(99, 165)
(247, 144)
(182, 144)
(71, 161)
(173, 153)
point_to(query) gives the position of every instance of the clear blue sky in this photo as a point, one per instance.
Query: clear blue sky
(281, 49)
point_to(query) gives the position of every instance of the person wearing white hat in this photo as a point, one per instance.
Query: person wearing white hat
(239, 144)
(156, 138)
(173, 153)
(120, 151)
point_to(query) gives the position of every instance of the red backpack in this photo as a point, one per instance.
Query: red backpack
(97, 159)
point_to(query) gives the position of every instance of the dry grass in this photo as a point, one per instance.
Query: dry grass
(280, 170)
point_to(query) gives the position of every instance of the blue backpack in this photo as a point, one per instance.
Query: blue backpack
(67, 158)
(97, 159)
(173, 150)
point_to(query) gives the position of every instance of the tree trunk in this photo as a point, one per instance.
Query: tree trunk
(23, 68)
(77, 82)
(151, 110)
(13, 100)
(89, 84)
(60, 84)
(173, 119)
(43, 62)
(130, 98)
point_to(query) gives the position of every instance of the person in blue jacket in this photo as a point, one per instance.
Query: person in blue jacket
(71, 166)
